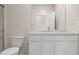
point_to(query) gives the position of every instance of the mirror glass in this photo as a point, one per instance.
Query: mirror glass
(48, 17)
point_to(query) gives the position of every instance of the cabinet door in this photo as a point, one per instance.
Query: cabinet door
(60, 48)
(48, 45)
(72, 18)
(72, 45)
(72, 48)
(34, 45)
(60, 45)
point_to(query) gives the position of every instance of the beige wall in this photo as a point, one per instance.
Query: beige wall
(72, 18)
(38, 9)
(17, 21)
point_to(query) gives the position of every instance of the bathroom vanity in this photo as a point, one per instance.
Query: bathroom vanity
(53, 44)
(57, 37)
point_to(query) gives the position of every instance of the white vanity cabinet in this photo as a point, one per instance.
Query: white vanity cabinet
(53, 45)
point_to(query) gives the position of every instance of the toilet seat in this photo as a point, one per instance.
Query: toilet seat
(10, 51)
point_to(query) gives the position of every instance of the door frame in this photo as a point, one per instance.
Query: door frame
(3, 27)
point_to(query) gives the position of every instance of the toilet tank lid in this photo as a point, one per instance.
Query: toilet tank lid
(21, 37)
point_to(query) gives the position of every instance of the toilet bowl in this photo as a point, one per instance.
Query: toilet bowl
(10, 51)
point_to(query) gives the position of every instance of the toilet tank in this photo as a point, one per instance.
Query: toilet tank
(17, 41)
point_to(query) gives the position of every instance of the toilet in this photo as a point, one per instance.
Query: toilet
(16, 43)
